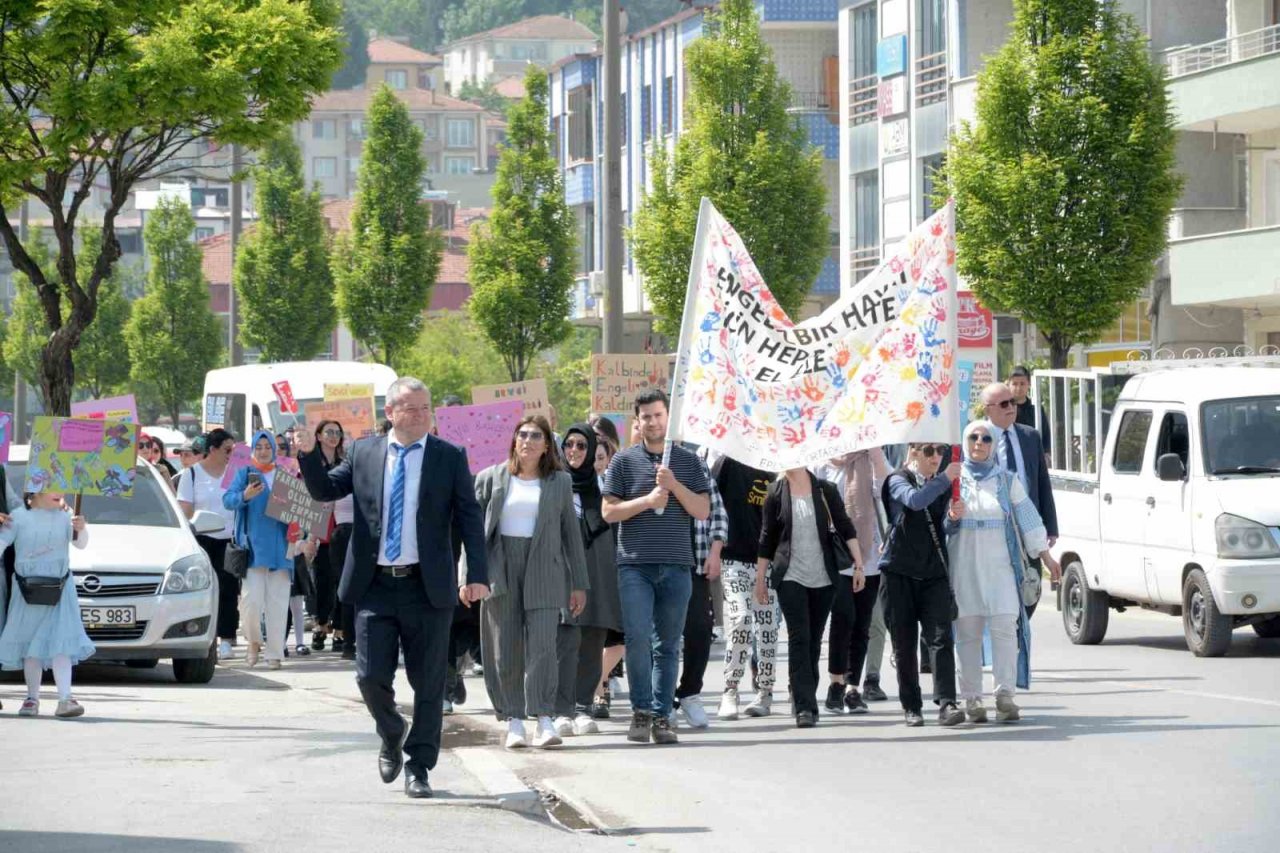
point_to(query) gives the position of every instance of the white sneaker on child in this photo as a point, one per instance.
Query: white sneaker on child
(30, 708)
(68, 707)
(564, 726)
(584, 725)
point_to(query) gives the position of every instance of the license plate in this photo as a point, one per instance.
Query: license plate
(108, 617)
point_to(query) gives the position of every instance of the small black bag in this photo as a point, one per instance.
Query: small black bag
(43, 592)
(235, 560)
(839, 547)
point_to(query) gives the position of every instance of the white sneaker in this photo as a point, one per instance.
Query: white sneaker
(448, 708)
(584, 725)
(762, 705)
(564, 726)
(691, 707)
(546, 736)
(224, 650)
(515, 734)
(728, 705)
(975, 710)
(1006, 710)
(615, 686)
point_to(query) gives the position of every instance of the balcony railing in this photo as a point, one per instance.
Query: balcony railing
(863, 261)
(811, 102)
(931, 79)
(1188, 60)
(862, 99)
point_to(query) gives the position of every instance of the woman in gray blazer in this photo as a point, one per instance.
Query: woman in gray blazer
(537, 566)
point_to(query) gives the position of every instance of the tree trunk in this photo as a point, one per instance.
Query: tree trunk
(176, 411)
(57, 373)
(1059, 349)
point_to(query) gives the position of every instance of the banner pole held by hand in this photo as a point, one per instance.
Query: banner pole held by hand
(75, 510)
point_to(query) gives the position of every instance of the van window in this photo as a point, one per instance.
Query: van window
(257, 420)
(226, 411)
(1175, 437)
(1241, 435)
(1131, 443)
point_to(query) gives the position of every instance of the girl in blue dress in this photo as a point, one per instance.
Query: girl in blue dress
(38, 637)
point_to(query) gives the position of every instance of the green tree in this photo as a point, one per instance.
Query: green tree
(451, 355)
(483, 94)
(6, 372)
(567, 370)
(385, 267)
(355, 64)
(418, 20)
(742, 150)
(282, 271)
(102, 93)
(475, 16)
(1064, 187)
(27, 329)
(522, 257)
(173, 336)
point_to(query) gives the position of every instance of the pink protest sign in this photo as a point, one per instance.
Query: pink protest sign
(6, 435)
(80, 436)
(240, 457)
(122, 408)
(484, 430)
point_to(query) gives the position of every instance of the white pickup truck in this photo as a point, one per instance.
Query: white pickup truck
(1166, 478)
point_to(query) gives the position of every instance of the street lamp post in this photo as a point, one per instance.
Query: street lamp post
(611, 180)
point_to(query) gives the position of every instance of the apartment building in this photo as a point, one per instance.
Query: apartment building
(500, 54)
(908, 77)
(402, 67)
(802, 36)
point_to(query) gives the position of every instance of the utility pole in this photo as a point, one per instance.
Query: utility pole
(611, 180)
(233, 336)
(20, 384)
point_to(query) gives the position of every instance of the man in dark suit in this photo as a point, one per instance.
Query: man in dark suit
(411, 489)
(1018, 449)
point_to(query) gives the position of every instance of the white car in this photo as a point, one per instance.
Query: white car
(146, 589)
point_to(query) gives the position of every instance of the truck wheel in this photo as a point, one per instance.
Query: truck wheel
(1084, 611)
(1268, 629)
(196, 670)
(1208, 631)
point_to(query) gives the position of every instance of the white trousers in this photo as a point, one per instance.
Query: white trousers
(266, 592)
(745, 620)
(1004, 653)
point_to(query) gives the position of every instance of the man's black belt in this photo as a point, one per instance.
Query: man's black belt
(406, 571)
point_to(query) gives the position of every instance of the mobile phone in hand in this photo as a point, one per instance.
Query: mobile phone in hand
(254, 478)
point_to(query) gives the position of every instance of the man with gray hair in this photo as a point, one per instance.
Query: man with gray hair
(411, 490)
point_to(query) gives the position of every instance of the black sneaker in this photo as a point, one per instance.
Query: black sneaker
(914, 719)
(853, 701)
(806, 720)
(459, 691)
(871, 691)
(599, 710)
(835, 699)
(317, 641)
(662, 730)
(950, 714)
(641, 723)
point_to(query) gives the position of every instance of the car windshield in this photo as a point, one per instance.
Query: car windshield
(1242, 436)
(149, 506)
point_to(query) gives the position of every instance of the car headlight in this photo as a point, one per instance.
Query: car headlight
(1242, 539)
(190, 574)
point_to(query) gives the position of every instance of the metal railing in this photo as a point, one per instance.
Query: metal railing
(1188, 60)
(811, 102)
(864, 261)
(931, 79)
(862, 99)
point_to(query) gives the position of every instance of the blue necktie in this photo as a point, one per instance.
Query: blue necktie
(1010, 459)
(395, 514)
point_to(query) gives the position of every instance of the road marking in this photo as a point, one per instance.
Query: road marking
(1136, 686)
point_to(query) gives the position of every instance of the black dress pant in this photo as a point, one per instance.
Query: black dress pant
(326, 578)
(699, 621)
(590, 663)
(805, 610)
(851, 629)
(396, 612)
(343, 617)
(912, 603)
(228, 588)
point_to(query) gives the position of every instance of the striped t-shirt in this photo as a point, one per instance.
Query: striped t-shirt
(649, 537)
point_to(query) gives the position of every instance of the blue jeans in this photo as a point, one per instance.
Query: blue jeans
(655, 599)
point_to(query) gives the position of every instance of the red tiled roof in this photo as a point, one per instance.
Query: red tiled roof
(357, 101)
(539, 27)
(216, 258)
(390, 51)
(510, 87)
(449, 296)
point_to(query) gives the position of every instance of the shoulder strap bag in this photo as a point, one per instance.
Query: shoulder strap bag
(235, 560)
(839, 547)
(1031, 579)
(942, 555)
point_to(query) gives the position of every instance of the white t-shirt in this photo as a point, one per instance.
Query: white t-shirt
(520, 511)
(202, 490)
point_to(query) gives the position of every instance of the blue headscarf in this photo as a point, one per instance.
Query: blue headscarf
(979, 470)
(271, 439)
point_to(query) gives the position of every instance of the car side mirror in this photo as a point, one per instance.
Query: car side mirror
(205, 522)
(1169, 468)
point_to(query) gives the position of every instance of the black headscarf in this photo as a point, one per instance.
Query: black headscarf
(585, 485)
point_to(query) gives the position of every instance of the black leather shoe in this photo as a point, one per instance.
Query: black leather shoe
(416, 787)
(391, 758)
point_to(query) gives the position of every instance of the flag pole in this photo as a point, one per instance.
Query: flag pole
(676, 409)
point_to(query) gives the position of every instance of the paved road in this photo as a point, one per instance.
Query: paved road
(1132, 745)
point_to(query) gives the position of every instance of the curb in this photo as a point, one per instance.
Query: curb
(500, 781)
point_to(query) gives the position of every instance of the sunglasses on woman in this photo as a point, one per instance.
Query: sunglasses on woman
(929, 450)
(575, 445)
(979, 436)
(531, 436)
(332, 433)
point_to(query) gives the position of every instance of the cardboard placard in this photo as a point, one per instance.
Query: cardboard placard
(348, 391)
(241, 457)
(617, 379)
(123, 408)
(532, 393)
(92, 457)
(484, 430)
(291, 503)
(356, 416)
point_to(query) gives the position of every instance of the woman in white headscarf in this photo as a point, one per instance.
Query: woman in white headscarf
(992, 525)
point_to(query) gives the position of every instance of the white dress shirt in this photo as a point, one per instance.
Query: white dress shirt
(413, 461)
(997, 435)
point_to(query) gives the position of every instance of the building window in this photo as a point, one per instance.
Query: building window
(646, 112)
(587, 239)
(461, 133)
(626, 121)
(459, 165)
(555, 139)
(325, 128)
(203, 233)
(356, 126)
(929, 179)
(353, 167)
(209, 197)
(866, 208)
(324, 167)
(536, 51)
(398, 79)
(863, 52)
(1133, 326)
(668, 104)
(581, 124)
(130, 241)
(933, 27)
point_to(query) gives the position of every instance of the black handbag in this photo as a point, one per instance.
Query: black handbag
(235, 560)
(844, 559)
(44, 592)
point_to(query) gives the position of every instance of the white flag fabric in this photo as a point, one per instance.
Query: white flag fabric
(875, 368)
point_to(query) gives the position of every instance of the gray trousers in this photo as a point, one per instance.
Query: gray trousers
(875, 647)
(519, 648)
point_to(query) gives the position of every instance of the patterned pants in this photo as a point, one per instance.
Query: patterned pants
(746, 620)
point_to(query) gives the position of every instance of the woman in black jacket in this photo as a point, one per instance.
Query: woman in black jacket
(802, 517)
(916, 587)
